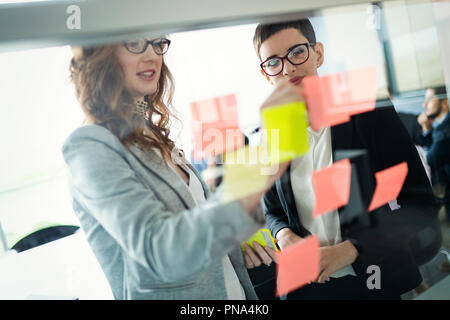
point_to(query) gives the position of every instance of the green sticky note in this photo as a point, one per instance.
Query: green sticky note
(287, 137)
(245, 173)
(263, 237)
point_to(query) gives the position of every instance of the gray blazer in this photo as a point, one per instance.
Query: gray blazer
(143, 226)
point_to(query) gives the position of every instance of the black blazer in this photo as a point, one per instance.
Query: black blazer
(397, 241)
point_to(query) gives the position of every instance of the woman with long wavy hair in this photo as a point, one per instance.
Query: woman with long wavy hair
(147, 214)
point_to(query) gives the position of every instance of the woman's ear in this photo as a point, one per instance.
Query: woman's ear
(319, 50)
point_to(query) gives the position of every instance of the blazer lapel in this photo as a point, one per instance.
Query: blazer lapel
(155, 164)
(197, 174)
(287, 200)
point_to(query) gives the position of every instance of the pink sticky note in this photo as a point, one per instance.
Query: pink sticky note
(228, 108)
(298, 265)
(215, 126)
(332, 99)
(205, 111)
(332, 187)
(389, 184)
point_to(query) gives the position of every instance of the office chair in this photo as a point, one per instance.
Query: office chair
(43, 236)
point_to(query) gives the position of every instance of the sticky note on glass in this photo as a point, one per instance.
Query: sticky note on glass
(246, 171)
(215, 126)
(389, 184)
(333, 99)
(285, 126)
(331, 187)
(263, 237)
(298, 265)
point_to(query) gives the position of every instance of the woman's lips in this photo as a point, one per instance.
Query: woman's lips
(296, 80)
(147, 75)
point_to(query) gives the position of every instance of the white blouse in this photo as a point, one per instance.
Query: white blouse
(326, 226)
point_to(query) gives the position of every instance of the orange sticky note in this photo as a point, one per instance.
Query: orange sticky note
(389, 184)
(333, 99)
(332, 187)
(215, 126)
(298, 265)
(205, 111)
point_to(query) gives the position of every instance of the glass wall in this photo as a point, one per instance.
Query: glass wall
(415, 53)
(39, 108)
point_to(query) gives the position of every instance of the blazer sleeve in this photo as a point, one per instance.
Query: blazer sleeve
(276, 218)
(162, 241)
(439, 154)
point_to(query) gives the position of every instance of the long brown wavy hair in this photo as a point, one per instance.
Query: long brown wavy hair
(99, 83)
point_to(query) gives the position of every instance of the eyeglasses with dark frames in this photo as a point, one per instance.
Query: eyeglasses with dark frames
(296, 55)
(160, 45)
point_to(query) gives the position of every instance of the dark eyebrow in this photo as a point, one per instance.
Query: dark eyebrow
(272, 56)
(295, 45)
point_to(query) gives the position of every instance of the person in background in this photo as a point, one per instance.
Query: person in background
(148, 216)
(435, 123)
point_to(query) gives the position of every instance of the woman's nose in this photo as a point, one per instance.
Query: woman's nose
(288, 67)
(149, 53)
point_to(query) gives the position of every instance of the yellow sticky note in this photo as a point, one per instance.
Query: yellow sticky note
(286, 125)
(263, 237)
(245, 172)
